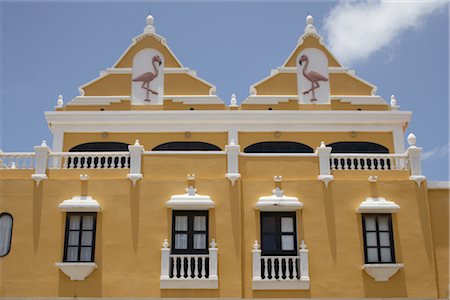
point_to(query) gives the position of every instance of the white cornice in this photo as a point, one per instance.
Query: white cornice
(438, 185)
(239, 117)
(166, 71)
(275, 99)
(107, 100)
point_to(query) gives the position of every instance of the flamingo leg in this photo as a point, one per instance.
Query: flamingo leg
(307, 91)
(153, 92)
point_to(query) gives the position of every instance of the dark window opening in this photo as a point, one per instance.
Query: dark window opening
(278, 233)
(378, 238)
(278, 147)
(100, 147)
(187, 146)
(6, 225)
(79, 244)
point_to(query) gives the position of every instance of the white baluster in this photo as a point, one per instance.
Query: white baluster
(266, 267)
(204, 267)
(189, 271)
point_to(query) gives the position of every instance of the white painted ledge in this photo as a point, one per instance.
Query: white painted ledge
(438, 185)
(381, 272)
(378, 205)
(278, 202)
(80, 204)
(190, 202)
(75, 270)
(186, 283)
(297, 284)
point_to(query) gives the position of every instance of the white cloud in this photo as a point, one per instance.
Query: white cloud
(437, 152)
(357, 29)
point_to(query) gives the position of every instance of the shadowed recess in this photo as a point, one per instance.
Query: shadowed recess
(186, 146)
(278, 147)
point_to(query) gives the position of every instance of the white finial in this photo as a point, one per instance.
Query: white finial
(165, 244)
(44, 143)
(412, 140)
(322, 144)
(13, 165)
(393, 103)
(213, 243)
(136, 142)
(302, 245)
(150, 28)
(256, 245)
(277, 192)
(310, 25)
(191, 191)
(60, 102)
(233, 101)
(232, 142)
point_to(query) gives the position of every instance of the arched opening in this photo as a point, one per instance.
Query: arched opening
(186, 146)
(100, 147)
(357, 147)
(278, 147)
(99, 162)
(364, 148)
(6, 223)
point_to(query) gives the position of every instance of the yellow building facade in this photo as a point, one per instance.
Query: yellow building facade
(154, 188)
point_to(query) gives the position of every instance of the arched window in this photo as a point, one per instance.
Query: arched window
(357, 147)
(6, 223)
(187, 146)
(278, 147)
(100, 147)
(96, 162)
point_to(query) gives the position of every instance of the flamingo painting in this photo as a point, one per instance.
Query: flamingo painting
(148, 77)
(312, 77)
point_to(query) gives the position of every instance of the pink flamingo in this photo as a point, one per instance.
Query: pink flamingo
(312, 76)
(147, 77)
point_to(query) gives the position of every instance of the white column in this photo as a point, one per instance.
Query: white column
(135, 162)
(213, 260)
(165, 260)
(40, 167)
(415, 160)
(324, 154)
(304, 269)
(232, 161)
(256, 261)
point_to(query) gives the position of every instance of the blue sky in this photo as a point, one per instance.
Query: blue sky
(51, 48)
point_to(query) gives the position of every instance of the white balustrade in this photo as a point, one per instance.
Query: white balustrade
(89, 160)
(17, 160)
(188, 266)
(368, 161)
(280, 268)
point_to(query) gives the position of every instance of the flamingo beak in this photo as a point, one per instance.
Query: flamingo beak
(160, 62)
(300, 62)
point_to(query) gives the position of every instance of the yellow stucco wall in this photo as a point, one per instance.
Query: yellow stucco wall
(439, 211)
(134, 222)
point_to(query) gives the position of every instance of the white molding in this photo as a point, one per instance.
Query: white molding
(186, 283)
(381, 272)
(278, 202)
(352, 99)
(80, 204)
(76, 270)
(201, 99)
(298, 284)
(107, 100)
(378, 205)
(190, 202)
(438, 185)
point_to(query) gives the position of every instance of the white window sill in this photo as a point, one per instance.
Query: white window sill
(295, 284)
(76, 270)
(381, 272)
(189, 283)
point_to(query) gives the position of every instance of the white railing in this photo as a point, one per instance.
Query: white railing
(368, 162)
(89, 160)
(280, 270)
(17, 160)
(190, 267)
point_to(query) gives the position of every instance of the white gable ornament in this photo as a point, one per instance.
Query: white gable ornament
(147, 85)
(312, 77)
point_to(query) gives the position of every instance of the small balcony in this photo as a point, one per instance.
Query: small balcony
(280, 272)
(189, 271)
